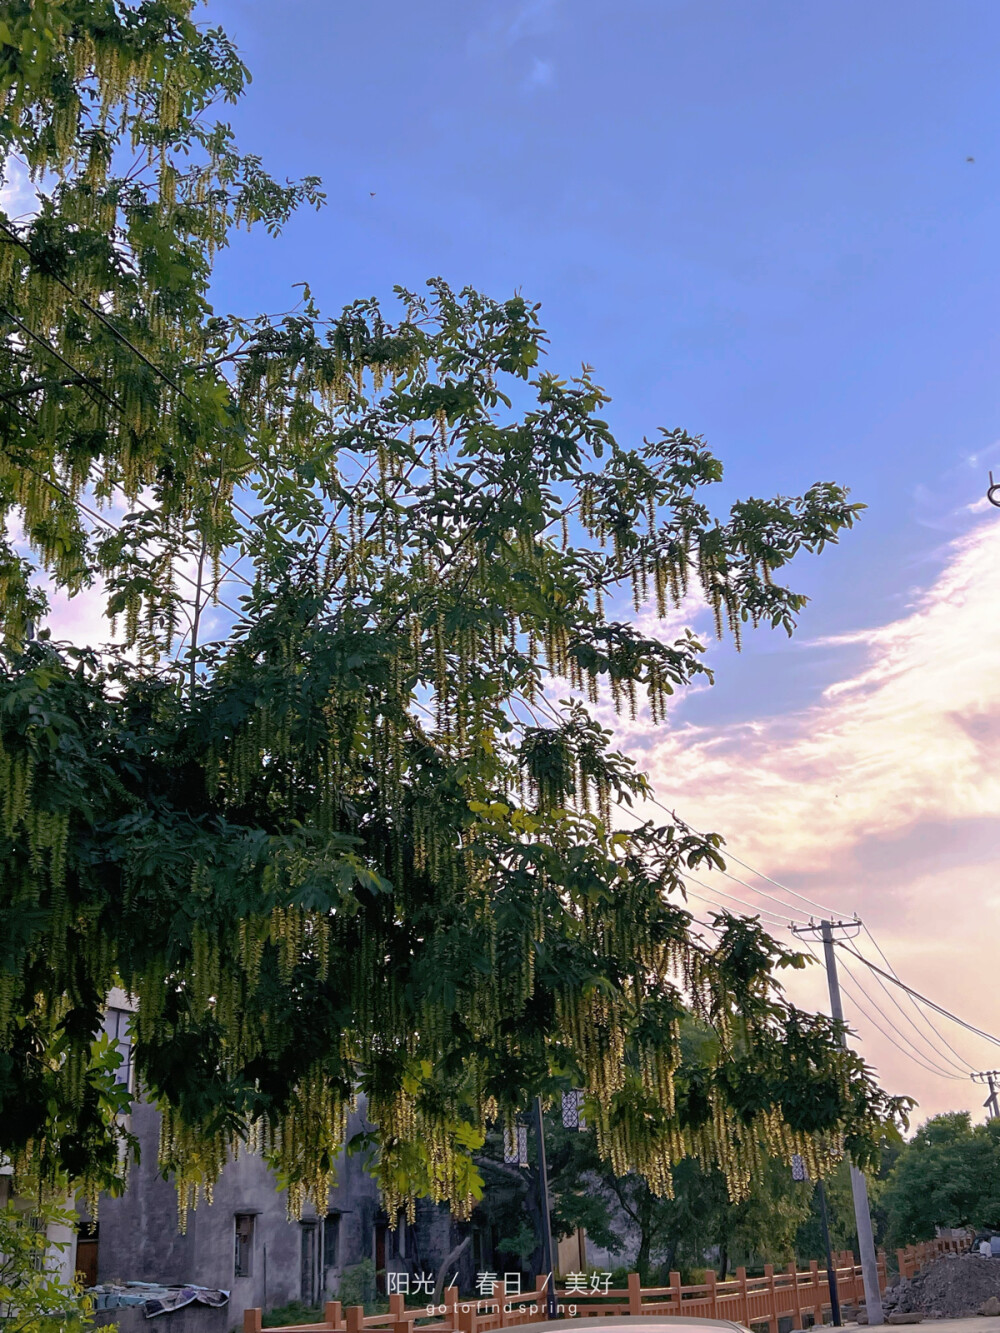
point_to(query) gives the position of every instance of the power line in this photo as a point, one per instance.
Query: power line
(987, 1036)
(926, 1018)
(927, 1061)
(916, 1058)
(940, 1049)
(729, 856)
(86, 380)
(944, 1054)
(99, 314)
(757, 911)
(106, 523)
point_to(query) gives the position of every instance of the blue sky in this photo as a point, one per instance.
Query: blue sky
(754, 220)
(757, 221)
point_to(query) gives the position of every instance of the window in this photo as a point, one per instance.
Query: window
(119, 1029)
(244, 1245)
(38, 1253)
(331, 1240)
(401, 1234)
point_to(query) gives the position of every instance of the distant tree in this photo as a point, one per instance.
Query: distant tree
(947, 1175)
(620, 1212)
(840, 1205)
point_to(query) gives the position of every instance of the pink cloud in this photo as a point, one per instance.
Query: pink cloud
(883, 797)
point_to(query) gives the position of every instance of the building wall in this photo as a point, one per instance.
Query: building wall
(139, 1237)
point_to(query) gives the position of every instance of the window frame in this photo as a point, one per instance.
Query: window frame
(243, 1244)
(331, 1227)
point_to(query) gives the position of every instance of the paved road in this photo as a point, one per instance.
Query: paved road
(971, 1324)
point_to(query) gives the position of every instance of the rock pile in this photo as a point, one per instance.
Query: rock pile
(953, 1286)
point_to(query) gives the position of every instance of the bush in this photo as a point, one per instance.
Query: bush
(357, 1285)
(32, 1298)
(292, 1313)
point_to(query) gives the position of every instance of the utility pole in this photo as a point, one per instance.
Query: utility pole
(859, 1186)
(548, 1250)
(989, 1077)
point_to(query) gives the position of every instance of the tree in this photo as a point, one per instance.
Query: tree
(352, 843)
(809, 1242)
(620, 1212)
(947, 1175)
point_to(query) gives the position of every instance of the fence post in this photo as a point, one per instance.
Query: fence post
(711, 1282)
(676, 1295)
(634, 1294)
(354, 1315)
(252, 1321)
(332, 1313)
(451, 1306)
(796, 1307)
(467, 1318)
(850, 1264)
(883, 1276)
(817, 1300)
(772, 1299)
(741, 1277)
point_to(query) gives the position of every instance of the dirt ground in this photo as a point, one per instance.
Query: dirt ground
(954, 1286)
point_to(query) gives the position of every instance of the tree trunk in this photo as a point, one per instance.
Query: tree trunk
(442, 1274)
(642, 1258)
(530, 1202)
(723, 1262)
(644, 1218)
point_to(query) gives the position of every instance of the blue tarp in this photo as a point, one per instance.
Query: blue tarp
(154, 1298)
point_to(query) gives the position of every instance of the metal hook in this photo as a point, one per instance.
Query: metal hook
(993, 493)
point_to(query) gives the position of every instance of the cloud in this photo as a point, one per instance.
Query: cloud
(530, 18)
(540, 75)
(915, 734)
(883, 797)
(18, 197)
(509, 25)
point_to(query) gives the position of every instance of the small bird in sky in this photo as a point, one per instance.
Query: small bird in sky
(371, 193)
(970, 159)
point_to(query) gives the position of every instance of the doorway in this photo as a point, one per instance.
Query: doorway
(380, 1233)
(86, 1253)
(310, 1262)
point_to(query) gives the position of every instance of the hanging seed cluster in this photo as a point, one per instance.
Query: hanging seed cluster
(359, 847)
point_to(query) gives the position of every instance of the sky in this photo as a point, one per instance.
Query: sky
(759, 222)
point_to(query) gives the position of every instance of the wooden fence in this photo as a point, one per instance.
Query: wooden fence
(789, 1293)
(915, 1257)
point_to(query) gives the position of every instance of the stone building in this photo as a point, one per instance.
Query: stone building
(243, 1241)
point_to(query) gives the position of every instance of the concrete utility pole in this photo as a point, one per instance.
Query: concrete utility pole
(989, 1077)
(991, 1100)
(859, 1186)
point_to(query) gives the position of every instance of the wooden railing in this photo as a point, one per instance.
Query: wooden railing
(788, 1293)
(453, 1315)
(915, 1257)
